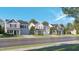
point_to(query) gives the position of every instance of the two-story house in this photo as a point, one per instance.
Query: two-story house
(12, 27)
(39, 28)
(60, 29)
(56, 29)
(46, 30)
(16, 27)
(53, 29)
(24, 30)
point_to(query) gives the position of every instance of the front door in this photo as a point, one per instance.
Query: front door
(15, 32)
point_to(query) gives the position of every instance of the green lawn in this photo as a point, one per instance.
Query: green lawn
(65, 47)
(38, 36)
(59, 46)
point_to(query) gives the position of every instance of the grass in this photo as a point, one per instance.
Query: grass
(61, 46)
(38, 36)
(64, 35)
(65, 47)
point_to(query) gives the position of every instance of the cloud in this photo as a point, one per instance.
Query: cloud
(59, 18)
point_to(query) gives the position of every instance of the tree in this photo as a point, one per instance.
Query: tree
(76, 25)
(45, 23)
(33, 21)
(32, 29)
(73, 12)
(1, 26)
(69, 26)
(51, 29)
(76, 20)
(1, 30)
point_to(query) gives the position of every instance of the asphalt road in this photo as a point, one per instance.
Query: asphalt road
(28, 41)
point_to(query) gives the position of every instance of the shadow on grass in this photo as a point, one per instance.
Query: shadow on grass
(65, 47)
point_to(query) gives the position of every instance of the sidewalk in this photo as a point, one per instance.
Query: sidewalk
(35, 36)
(48, 45)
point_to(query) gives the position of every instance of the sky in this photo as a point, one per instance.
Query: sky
(53, 15)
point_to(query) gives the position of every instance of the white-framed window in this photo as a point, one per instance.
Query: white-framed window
(10, 25)
(13, 25)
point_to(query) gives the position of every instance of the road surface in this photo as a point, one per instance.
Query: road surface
(29, 41)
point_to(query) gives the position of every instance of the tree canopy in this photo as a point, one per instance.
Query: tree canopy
(74, 12)
(71, 11)
(45, 23)
(32, 30)
(33, 21)
(1, 30)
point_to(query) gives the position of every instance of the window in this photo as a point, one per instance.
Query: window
(23, 26)
(10, 25)
(11, 31)
(15, 25)
(8, 31)
(26, 26)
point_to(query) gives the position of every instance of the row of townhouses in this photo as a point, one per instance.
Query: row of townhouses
(23, 28)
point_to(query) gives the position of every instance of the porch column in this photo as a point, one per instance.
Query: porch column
(19, 32)
(61, 32)
(13, 32)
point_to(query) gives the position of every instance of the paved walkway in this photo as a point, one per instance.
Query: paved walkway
(49, 45)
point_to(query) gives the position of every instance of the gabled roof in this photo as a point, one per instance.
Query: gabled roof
(60, 27)
(12, 21)
(54, 24)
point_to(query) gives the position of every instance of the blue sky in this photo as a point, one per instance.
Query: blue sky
(50, 14)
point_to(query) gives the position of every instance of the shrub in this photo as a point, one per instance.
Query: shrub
(32, 30)
(8, 35)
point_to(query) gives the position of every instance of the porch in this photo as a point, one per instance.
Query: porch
(14, 32)
(39, 31)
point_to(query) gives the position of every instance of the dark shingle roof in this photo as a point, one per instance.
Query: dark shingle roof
(9, 21)
(22, 22)
(55, 25)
